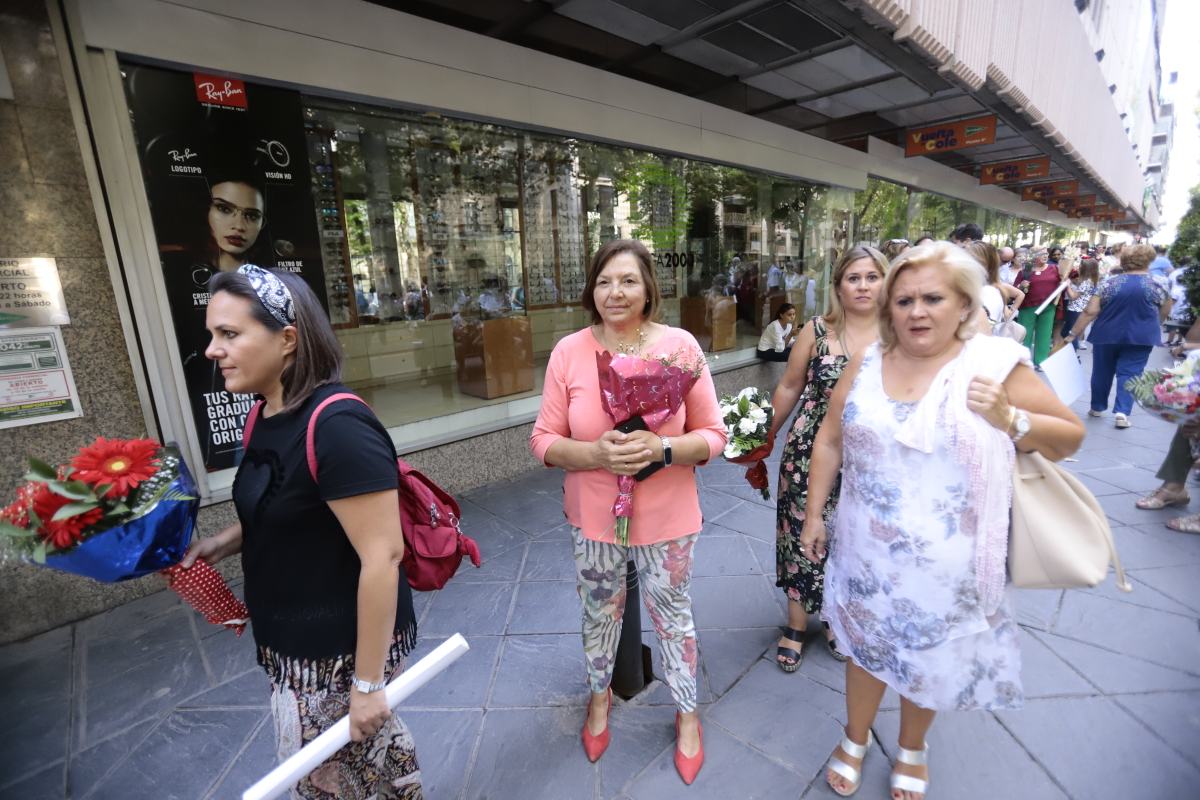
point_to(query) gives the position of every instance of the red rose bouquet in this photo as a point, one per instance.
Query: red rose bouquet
(121, 509)
(642, 394)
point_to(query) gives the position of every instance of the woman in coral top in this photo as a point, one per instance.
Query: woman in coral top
(574, 432)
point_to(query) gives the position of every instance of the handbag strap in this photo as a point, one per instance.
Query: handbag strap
(251, 418)
(310, 438)
(1122, 582)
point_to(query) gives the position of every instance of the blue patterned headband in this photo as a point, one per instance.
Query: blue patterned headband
(272, 293)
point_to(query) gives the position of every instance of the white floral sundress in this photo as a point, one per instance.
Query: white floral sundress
(900, 588)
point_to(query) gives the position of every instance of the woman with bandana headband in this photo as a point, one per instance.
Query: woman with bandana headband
(333, 613)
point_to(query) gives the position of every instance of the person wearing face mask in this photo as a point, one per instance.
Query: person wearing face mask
(333, 613)
(574, 432)
(825, 345)
(918, 428)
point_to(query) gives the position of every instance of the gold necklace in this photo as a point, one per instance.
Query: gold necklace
(629, 349)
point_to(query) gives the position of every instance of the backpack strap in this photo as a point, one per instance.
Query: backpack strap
(310, 440)
(251, 418)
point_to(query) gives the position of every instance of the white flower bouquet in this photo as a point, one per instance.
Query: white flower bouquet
(747, 417)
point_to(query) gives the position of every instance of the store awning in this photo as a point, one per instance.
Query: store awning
(817, 67)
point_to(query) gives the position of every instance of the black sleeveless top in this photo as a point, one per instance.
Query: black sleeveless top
(301, 570)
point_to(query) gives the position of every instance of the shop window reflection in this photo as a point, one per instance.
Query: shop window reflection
(457, 251)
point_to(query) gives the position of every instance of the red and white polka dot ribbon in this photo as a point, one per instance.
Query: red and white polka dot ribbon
(206, 591)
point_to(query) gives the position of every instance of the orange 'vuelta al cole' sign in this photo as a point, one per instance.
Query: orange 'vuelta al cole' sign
(1043, 191)
(1011, 171)
(947, 136)
(1071, 202)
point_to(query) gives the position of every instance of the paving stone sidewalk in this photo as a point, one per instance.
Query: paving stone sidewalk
(147, 701)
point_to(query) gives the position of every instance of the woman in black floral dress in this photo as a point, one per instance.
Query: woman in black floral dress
(821, 352)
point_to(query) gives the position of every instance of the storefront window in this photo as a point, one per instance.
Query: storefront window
(466, 248)
(451, 254)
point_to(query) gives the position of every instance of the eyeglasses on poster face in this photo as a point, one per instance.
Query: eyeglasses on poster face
(252, 216)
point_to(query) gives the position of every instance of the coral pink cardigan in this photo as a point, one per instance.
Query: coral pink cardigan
(665, 505)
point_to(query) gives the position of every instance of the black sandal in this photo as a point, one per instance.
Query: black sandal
(838, 655)
(782, 652)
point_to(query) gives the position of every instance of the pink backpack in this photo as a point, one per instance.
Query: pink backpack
(434, 545)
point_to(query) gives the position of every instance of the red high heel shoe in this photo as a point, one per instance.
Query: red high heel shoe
(595, 746)
(689, 766)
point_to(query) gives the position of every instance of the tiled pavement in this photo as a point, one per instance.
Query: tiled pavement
(148, 702)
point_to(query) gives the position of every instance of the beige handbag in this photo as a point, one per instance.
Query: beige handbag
(1060, 537)
(1010, 328)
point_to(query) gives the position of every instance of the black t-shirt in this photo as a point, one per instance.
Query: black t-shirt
(301, 570)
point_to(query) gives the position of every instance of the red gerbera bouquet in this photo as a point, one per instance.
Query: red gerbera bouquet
(642, 394)
(121, 509)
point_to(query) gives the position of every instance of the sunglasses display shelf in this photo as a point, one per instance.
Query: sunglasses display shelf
(335, 256)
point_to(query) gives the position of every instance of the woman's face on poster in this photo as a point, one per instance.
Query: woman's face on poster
(235, 217)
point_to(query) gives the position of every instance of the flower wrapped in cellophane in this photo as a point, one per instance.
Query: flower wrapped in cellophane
(747, 417)
(121, 509)
(1170, 394)
(642, 394)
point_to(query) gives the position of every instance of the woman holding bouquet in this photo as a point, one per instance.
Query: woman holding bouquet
(574, 432)
(822, 351)
(915, 585)
(332, 611)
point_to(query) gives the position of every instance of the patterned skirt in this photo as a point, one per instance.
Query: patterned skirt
(308, 698)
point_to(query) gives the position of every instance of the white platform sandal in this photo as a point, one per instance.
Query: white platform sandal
(907, 783)
(839, 767)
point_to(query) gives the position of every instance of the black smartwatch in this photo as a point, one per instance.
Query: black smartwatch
(666, 446)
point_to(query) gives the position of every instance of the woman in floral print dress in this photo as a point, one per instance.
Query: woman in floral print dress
(917, 430)
(820, 354)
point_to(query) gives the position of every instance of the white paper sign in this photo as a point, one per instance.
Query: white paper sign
(31, 294)
(1065, 374)
(36, 384)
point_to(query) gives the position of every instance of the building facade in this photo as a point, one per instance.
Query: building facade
(440, 174)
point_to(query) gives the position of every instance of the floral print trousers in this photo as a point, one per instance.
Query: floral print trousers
(383, 767)
(665, 571)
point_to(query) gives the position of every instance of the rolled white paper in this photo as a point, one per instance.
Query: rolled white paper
(1054, 296)
(290, 772)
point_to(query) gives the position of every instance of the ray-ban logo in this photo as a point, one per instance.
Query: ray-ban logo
(218, 91)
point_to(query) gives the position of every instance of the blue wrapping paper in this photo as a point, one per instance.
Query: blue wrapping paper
(157, 538)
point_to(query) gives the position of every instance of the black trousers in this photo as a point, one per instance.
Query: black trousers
(773, 355)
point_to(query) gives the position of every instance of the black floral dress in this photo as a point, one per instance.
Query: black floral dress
(800, 579)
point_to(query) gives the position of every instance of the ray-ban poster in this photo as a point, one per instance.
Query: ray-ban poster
(228, 181)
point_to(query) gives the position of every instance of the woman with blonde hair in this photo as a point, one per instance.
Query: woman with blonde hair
(824, 347)
(996, 296)
(918, 428)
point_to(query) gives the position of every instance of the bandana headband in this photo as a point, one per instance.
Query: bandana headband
(272, 293)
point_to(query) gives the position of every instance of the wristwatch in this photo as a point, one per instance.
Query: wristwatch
(366, 687)
(1021, 425)
(666, 445)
